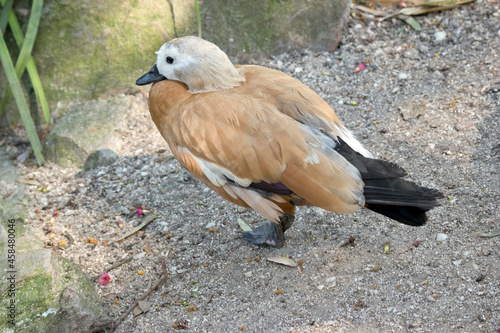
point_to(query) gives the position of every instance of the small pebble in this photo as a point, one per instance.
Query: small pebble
(439, 36)
(486, 252)
(248, 274)
(441, 237)
(331, 279)
(402, 76)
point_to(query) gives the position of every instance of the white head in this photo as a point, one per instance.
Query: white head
(201, 65)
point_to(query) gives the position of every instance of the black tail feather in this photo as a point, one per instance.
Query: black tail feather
(386, 193)
(413, 216)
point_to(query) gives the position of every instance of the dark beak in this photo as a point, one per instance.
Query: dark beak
(150, 77)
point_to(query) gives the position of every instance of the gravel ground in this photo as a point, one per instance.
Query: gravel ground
(430, 105)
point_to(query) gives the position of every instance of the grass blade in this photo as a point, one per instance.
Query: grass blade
(20, 100)
(29, 39)
(198, 16)
(4, 16)
(30, 66)
(37, 86)
(411, 21)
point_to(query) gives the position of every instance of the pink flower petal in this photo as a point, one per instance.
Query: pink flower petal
(139, 212)
(103, 278)
(361, 66)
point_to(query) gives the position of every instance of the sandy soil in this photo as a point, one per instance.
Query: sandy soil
(431, 106)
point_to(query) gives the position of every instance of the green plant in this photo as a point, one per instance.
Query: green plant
(198, 16)
(24, 61)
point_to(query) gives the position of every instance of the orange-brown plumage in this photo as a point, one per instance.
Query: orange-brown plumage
(264, 140)
(252, 131)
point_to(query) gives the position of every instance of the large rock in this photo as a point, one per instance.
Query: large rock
(247, 29)
(88, 127)
(86, 48)
(40, 292)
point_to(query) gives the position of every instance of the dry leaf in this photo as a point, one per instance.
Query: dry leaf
(144, 306)
(243, 225)
(283, 261)
(137, 311)
(29, 182)
(370, 11)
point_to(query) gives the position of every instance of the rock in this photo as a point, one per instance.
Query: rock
(411, 54)
(439, 36)
(10, 189)
(410, 111)
(78, 62)
(402, 76)
(316, 26)
(431, 299)
(79, 311)
(101, 157)
(88, 127)
(52, 293)
(458, 127)
(331, 279)
(441, 237)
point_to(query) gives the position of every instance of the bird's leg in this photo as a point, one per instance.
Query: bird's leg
(270, 233)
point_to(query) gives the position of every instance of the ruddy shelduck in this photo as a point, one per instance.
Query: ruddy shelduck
(263, 140)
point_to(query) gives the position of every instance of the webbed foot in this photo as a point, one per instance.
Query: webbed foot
(270, 233)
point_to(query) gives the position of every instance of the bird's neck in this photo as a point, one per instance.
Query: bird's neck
(215, 79)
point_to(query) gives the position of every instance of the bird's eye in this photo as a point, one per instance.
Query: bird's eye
(170, 60)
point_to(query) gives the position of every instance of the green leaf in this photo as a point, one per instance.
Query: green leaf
(4, 16)
(22, 105)
(198, 16)
(491, 234)
(413, 23)
(30, 64)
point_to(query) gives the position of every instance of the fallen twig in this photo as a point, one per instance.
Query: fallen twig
(134, 230)
(417, 7)
(116, 265)
(131, 308)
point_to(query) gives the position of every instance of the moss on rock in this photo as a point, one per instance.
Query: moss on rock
(50, 294)
(88, 127)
